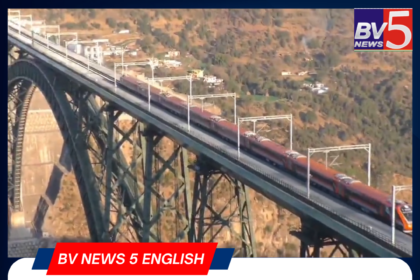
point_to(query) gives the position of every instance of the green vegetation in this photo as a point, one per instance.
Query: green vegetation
(370, 94)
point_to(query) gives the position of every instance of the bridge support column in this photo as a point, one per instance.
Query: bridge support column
(315, 241)
(221, 202)
(169, 209)
(146, 194)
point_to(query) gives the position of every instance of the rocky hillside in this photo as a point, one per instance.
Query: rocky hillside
(370, 93)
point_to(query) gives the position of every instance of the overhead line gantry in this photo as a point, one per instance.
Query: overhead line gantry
(202, 97)
(265, 118)
(395, 190)
(48, 35)
(326, 150)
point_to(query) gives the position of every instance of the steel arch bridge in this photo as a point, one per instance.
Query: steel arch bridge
(121, 196)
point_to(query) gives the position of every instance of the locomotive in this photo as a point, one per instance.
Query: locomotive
(349, 190)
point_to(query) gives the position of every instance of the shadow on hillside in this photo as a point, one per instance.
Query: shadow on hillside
(51, 193)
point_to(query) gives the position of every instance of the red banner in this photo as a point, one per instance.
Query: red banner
(132, 259)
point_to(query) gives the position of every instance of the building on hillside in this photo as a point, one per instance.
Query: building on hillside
(133, 53)
(117, 50)
(172, 54)
(212, 81)
(317, 88)
(154, 62)
(286, 73)
(125, 31)
(107, 52)
(209, 79)
(197, 73)
(76, 48)
(100, 41)
(302, 73)
(36, 30)
(35, 25)
(94, 53)
(38, 22)
(320, 91)
(171, 63)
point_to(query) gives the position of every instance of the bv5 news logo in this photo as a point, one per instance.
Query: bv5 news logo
(383, 30)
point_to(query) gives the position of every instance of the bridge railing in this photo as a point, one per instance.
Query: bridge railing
(303, 196)
(27, 36)
(285, 186)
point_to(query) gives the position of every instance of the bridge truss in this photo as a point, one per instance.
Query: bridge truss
(314, 239)
(134, 188)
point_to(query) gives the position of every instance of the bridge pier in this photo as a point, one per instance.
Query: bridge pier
(209, 219)
(314, 239)
(151, 182)
(135, 189)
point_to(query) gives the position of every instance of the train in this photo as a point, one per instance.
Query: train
(371, 201)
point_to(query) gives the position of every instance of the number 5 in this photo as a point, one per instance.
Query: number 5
(402, 28)
(133, 258)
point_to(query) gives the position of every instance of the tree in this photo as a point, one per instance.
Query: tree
(111, 22)
(277, 22)
(333, 59)
(96, 25)
(321, 132)
(266, 19)
(308, 117)
(92, 13)
(287, 59)
(145, 44)
(126, 25)
(313, 43)
(342, 135)
(144, 26)
(283, 35)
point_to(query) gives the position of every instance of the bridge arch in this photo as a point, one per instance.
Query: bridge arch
(24, 76)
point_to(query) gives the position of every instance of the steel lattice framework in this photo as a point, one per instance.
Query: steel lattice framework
(314, 238)
(123, 195)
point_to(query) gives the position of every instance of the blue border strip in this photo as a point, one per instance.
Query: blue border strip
(222, 258)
